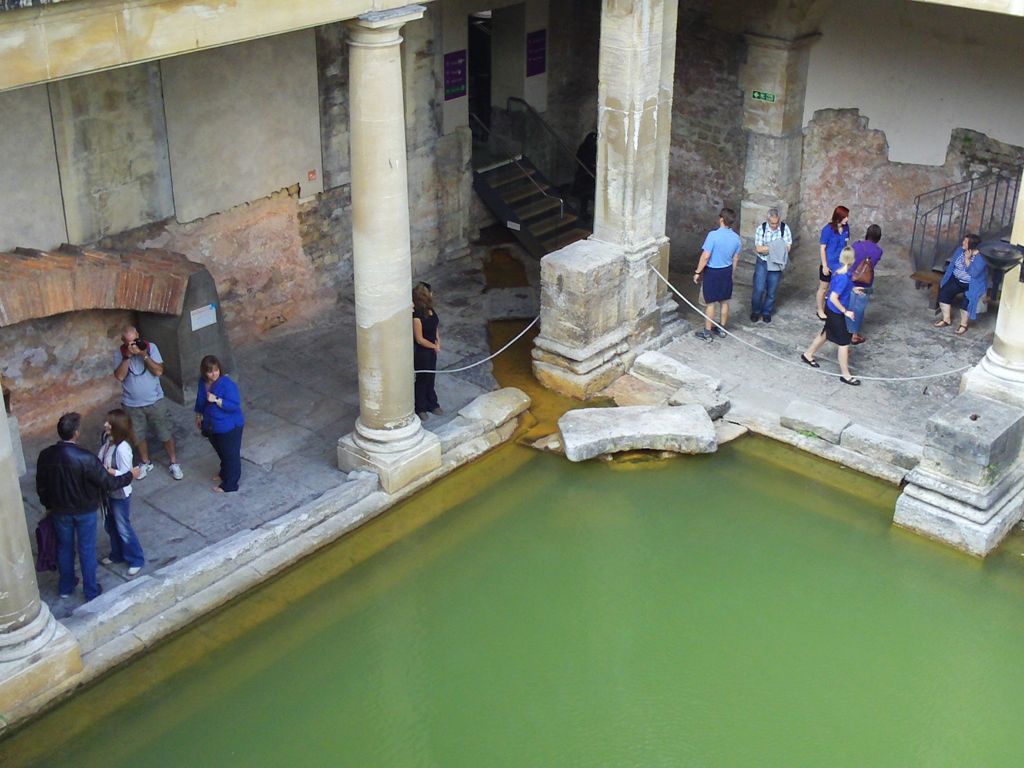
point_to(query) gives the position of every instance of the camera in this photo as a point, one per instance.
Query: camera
(140, 345)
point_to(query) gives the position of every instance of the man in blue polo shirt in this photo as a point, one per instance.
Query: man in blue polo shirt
(719, 256)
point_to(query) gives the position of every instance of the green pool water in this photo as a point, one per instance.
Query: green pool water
(751, 608)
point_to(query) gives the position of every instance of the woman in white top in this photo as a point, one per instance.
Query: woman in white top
(117, 455)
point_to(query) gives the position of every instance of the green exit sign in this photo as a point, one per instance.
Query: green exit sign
(763, 96)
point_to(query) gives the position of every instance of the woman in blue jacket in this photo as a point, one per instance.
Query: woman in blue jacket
(966, 274)
(219, 417)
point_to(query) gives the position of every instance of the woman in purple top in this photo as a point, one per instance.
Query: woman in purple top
(863, 250)
(834, 237)
(837, 311)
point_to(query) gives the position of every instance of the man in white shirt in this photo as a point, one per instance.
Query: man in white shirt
(772, 241)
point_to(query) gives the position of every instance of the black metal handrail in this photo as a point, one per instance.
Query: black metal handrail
(569, 151)
(984, 204)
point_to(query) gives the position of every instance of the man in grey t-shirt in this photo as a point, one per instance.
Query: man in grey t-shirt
(139, 366)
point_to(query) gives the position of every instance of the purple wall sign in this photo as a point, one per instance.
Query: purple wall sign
(536, 52)
(454, 75)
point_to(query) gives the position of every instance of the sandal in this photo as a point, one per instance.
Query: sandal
(812, 363)
(940, 323)
(853, 381)
(858, 339)
(961, 330)
(821, 317)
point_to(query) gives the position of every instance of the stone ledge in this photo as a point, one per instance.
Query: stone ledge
(804, 416)
(890, 449)
(769, 426)
(659, 368)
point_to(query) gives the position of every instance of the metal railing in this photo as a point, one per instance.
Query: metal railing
(514, 158)
(984, 205)
(539, 141)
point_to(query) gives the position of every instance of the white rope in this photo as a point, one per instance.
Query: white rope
(795, 363)
(487, 359)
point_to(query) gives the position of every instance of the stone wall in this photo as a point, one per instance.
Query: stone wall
(111, 143)
(573, 51)
(845, 162)
(709, 145)
(58, 364)
(280, 262)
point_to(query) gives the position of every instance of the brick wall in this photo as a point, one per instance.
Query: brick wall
(846, 162)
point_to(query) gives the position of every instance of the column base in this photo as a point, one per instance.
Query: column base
(996, 378)
(36, 667)
(395, 469)
(950, 523)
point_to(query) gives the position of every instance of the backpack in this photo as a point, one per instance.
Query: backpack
(764, 228)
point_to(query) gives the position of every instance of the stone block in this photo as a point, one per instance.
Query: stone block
(949, 521)
(460, 430)
(591, 432)
(17, 450)
(711, 400)
(395, 470)
(662, 369)
(197, 571)
(973, 439)
(815, 420)
(629, 390)
(496, 408)
(726, 432)
(118, 610)
(549, 444)
(863, 440)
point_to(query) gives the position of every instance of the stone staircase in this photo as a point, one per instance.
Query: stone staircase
(533, 209)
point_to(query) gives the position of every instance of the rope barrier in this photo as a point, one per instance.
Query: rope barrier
(491, 357)
(802, 366)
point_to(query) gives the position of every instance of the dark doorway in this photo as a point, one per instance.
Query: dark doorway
(480, 76)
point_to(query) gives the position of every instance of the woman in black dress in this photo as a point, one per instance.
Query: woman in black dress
(427, 343)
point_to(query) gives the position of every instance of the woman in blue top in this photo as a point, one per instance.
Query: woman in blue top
(219, 417)
(837, 310)
(834, 237)
(966, 274)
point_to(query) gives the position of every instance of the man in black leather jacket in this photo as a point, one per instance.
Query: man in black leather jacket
(71, 482)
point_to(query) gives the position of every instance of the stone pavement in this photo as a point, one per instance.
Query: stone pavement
(300, 394)
(901, 342)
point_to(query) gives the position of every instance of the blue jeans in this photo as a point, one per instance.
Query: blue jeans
(858, 303)
(228, 446)
(124, 544)
(83, 527)
(766, 283)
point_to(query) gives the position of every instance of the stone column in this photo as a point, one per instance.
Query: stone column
(599, 298)
(1000, 374)
(388, 438)
(36, 653)
(774, 82)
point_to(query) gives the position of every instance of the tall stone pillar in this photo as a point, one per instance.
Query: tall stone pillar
(1000, 374)
(388, 438)
(36, 653)
(599, 297)
(774, 82)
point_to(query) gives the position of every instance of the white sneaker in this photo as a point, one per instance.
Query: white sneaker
(134, 570)
(176, 472)
(145, 469)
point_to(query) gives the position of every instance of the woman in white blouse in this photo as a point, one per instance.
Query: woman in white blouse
(117, 454)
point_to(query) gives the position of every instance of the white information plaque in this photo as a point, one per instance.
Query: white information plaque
(204, 316)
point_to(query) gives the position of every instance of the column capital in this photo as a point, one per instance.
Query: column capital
(380, 28)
